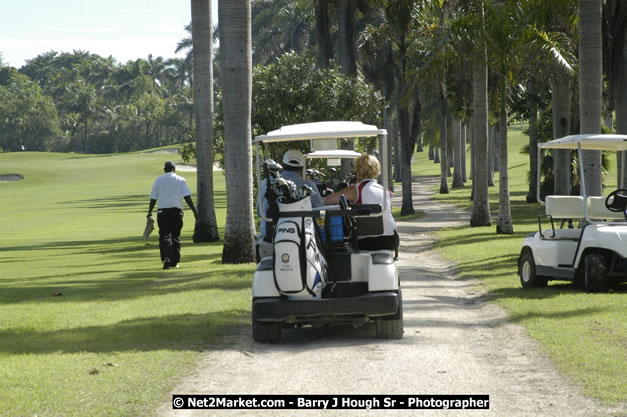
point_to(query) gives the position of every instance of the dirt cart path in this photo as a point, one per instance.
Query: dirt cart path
(455, 343)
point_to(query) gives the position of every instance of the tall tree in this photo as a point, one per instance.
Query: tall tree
(325, 46)
(399, 15)
(480, 215)
(236, 69)
(617, 40)
(590, 66)
(346, 36)
(206, 228)
(532, 194)
(561, 127)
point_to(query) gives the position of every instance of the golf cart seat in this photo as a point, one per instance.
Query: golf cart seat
(597, 210)
(370, 223)
(565, 207)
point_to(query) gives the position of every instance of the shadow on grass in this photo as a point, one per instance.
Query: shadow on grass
(133, 284)
(174, 332)
(135, 202)
(112, 276)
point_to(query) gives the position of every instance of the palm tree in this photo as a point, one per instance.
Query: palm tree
(617, 16)
(325, 46)
(280, 26)
(561, 127)
(206, 228)
(236, 64)
(480, 215)
(459, 154)
(590, 66)
(514, 37)
(399, 15)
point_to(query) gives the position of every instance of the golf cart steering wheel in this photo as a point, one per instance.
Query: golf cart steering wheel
(617, 201)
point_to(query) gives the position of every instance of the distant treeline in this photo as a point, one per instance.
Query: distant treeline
(82, 102)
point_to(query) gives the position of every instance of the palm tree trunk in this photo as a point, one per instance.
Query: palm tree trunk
(621, 113)
(206, 228)
(457, 152)
(396, 141)
(590, 73)
(463, 150)
(480, 215)
(346, 36)
(325, 47)
(443, 139)
(561, 127)
(490, 156)
(504, 221)
(236, 65)
(407, 206)
(532, 195)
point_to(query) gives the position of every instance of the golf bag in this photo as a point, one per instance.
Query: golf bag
(300, 269)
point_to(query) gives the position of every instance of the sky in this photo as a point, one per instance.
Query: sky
(124, 29)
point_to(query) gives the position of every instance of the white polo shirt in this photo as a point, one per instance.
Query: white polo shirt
(169, 189)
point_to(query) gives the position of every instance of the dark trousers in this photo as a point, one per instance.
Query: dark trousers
(170, 223)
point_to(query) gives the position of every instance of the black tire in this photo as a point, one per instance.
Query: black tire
(527, 270)
(266, 332)
(595, 272)
(392, 327)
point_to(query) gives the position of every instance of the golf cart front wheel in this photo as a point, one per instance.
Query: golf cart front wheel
(528, 276)
(392, 327)
(595, 272)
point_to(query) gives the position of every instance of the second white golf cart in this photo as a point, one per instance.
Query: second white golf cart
(314, 278)
(595, 253)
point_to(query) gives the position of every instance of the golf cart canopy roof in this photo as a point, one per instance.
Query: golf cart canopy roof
(334, 154)
(321, 130)
(600, 142)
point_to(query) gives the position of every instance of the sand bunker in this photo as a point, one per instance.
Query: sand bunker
(10, 177)
(168, 150)
(192, 168)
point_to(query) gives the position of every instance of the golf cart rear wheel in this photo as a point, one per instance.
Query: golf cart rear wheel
(528, 276)
(266, 332)
(392, 327)
(595, 272)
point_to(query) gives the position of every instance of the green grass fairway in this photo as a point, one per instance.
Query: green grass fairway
(585, 334)
(89, 323)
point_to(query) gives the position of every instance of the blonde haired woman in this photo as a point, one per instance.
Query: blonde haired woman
(368, 191)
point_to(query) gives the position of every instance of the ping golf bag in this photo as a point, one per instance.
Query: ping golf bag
(300, 269)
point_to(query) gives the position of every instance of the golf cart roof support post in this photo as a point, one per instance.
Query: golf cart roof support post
(582, 184)
(539, 170)
(385, 168)
(621, 181)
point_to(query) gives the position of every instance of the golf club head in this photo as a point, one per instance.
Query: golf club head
(306, 190)
(272, 167)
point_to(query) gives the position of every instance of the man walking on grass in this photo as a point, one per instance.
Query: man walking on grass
(169, 189)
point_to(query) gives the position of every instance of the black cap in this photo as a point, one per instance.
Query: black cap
(169, 166)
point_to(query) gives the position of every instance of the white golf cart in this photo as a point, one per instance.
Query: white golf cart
(315, 274)
(594, 253)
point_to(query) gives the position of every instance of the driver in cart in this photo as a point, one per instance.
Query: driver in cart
(293, 167)
(369, 191)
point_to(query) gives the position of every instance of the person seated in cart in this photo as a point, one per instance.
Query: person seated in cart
(369, 191)
(293, 168)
